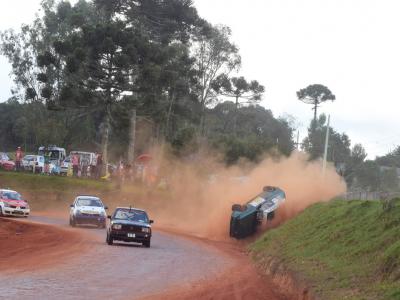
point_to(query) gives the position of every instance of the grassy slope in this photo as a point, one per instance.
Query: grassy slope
(56, 193)
(345, 250)
(49, 183)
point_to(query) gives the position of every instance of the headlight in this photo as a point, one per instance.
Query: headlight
(146, 229)
(77, 212)
(6, 204)
(103, 213)
(117, 226)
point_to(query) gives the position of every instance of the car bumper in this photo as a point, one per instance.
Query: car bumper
(89, 220)
(123, 236)
(7, 211)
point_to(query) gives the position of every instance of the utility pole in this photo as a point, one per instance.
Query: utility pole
(326, 147)
(132, 137)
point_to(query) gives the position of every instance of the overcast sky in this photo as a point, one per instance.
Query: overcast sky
(351, 46)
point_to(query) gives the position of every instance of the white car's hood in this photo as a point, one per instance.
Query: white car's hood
(90, 209)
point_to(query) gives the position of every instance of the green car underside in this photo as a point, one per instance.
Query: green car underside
(245, 222)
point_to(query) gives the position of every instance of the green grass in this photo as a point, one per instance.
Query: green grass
(36, 182)
(345, 250)
(56, 193)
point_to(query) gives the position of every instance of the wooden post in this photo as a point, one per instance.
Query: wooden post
(132, 137)
(104, 142)
(326, 148)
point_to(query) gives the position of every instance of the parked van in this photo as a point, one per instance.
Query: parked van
(56, 155)
(86, 160)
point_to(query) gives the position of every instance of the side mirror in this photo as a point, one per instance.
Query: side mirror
(151, 222)
(236, 207)
(105, 207)
(109, 217)
(71, 205)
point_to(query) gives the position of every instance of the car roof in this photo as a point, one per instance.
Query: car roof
(80, 152)
(87, 197)
(7, 190)
(134, 208)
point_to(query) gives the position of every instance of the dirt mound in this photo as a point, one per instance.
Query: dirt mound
(26, 246)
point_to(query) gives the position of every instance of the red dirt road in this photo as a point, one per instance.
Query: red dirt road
(175, 267)
(27, 247)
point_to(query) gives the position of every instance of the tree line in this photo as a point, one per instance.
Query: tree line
(80, 70)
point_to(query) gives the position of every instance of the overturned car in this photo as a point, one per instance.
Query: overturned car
(245, 218)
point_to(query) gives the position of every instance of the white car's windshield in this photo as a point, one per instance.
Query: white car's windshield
(89, 202)
(51, 154)
(131, 215)
(11, 196)
(4, 156)
(29, 158)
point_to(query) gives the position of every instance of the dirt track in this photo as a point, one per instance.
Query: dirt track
(175, 267)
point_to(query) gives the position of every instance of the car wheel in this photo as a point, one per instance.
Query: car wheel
(147, 244)
(72, 222)
(109, 240)
(1, 212)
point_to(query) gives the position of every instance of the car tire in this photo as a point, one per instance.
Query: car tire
(146, 244)
(72, 222)
(109, 240)
(1, 212)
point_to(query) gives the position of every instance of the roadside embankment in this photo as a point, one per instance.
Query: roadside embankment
(26, 246)
(335, 250)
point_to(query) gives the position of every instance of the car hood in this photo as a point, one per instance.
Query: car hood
(90, 209)
(126, 222)
(15, 202)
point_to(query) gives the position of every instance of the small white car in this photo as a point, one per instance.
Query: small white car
(12, 204)
(88, 210)
(65, 165)
(33, 163)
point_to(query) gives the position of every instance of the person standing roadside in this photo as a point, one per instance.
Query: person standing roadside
(18, 158)
(75, 164)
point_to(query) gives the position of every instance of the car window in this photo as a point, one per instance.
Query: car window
(11, 196)
(131, 215)
(4, 156)
(89, 202)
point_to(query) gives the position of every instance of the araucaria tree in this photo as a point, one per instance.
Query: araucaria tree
(99, 55)
(238, 88)
(315, 94)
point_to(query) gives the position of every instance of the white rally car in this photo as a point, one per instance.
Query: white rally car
(12, 204)
(88, 210)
